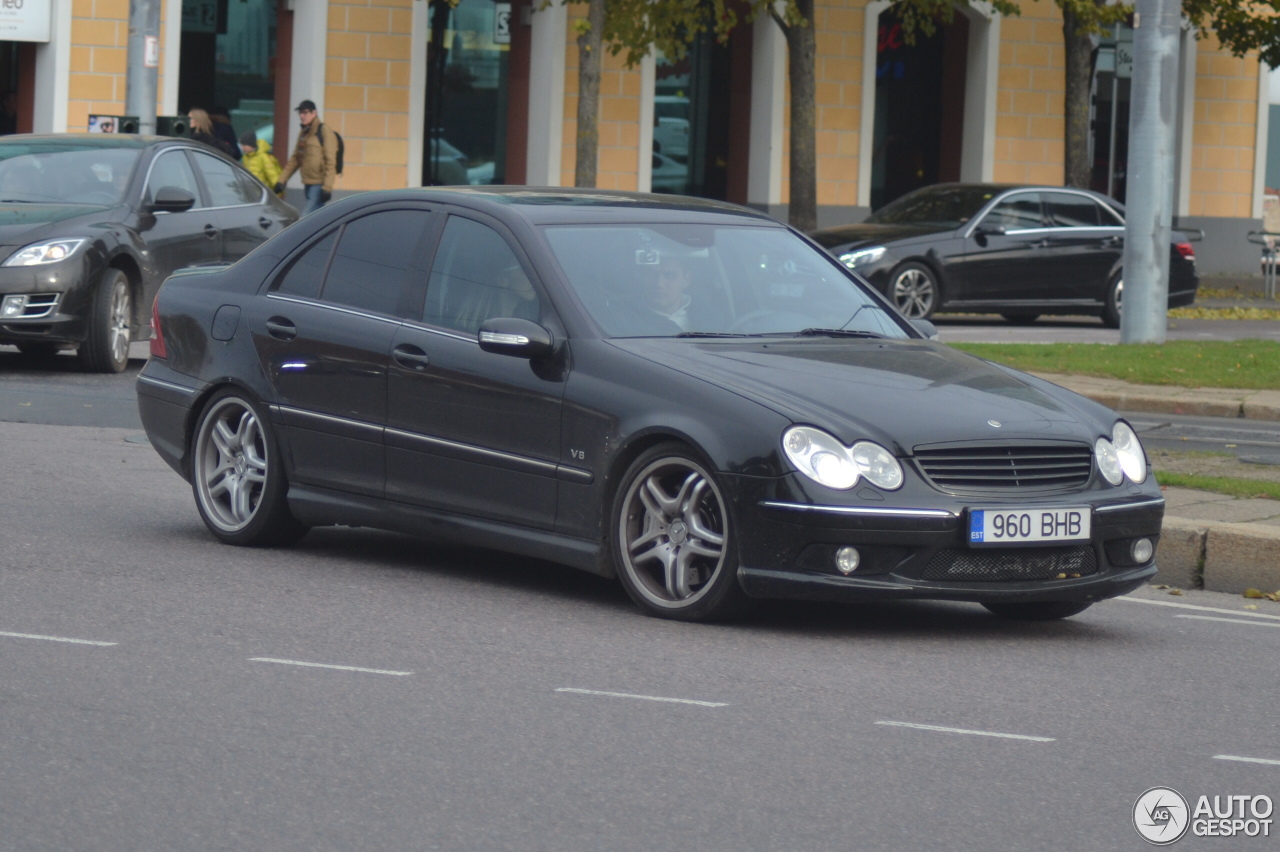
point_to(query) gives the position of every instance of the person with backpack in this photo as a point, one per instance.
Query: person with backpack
(315, 156)
(258, 159)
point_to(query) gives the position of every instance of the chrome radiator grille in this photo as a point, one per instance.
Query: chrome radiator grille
(1026, 467)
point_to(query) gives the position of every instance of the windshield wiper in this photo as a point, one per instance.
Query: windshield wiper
(836, 332)
(712, 334)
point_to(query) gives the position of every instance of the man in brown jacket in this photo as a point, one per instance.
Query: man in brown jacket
(316, 156)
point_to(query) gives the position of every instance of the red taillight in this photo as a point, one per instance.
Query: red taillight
(1185, 250)
(157, 337)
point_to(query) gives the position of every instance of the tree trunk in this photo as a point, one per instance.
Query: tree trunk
(1077, 170)
(801, 52)
(590, 48)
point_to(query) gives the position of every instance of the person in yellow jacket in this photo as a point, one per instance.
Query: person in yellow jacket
(258, 159)
(315, 156)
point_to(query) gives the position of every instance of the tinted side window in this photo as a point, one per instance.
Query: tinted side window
(250, 187)
(1109, 218)
(475, 277)
(305, 274)
(225, 188)
(172, 169)
(1020, 211)
(371, 266)
(1072, 211)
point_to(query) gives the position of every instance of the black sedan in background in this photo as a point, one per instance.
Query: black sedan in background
(91, 224)
(682, 393)
(1019, 251)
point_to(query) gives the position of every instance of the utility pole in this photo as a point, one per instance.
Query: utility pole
(144, 62)
(1149, 195)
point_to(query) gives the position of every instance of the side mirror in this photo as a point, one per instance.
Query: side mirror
(513, 336)
(992, 230)
(926, 328)
(171, 199)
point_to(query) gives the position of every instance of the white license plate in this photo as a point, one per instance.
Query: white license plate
(1019, 526)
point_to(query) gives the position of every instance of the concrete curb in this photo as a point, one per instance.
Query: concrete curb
(1217, 556)
(1202, 402)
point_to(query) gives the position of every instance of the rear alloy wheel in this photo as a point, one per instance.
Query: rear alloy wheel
(237, 477)
(106, 344)
(1111, 308)
(914, 291)
(672, 541)
(1038, 611)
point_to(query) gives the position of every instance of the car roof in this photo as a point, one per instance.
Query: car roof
(565, 205)
(87, 140)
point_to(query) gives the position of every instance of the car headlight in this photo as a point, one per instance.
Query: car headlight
(862, 257)
(48, 252)
(1121, 456)
(826, 461)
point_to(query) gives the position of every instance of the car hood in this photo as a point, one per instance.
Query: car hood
(22, 223)
(854, 236)
(901, 393)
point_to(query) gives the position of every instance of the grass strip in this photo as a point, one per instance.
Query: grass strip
(1229, 485)
(1242, 364)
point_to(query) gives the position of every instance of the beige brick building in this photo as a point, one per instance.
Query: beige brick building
(487, 92)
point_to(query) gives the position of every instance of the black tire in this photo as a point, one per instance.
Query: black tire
(39, 350)
(672, 540)
(106, 344)
(1039, 611)
(1021, 319)
(914, 290)
(237, 477)
(1115, 296)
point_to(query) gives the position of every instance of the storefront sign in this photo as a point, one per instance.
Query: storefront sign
(198, 16)
(501, 23)
(25, 20)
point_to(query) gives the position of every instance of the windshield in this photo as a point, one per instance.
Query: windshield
(704, 280)
(943, 206)
(88, 175)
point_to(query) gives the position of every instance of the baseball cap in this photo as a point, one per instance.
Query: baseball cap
(307, 104)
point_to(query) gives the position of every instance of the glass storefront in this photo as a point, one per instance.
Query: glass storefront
(1112, 78)
(690, 122)
(468, 58)
(228, 60)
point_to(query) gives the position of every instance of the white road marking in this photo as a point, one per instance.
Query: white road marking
(642, 697)
(1230, 620)
(327, 666)
(966, 731)
(1201, 608)
(54, 638)
(1246, 759)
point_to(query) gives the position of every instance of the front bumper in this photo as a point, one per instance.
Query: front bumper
(787, 550)
(57, 300)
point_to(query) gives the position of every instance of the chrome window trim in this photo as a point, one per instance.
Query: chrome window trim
(150, 166)
(356, 425)
(419, 325)
(983, 213)
(1121, 507)
(860, 510)
(333, 306)
(538, 465)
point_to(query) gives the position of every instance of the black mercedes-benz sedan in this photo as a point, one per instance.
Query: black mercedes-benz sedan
(92, 223)
(1019, 251)
(681, 393)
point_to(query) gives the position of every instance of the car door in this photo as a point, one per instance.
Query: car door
(1083, 245)
(470, 431)
(1004, 253)
(176, 240)
(323, 334)
(236, 198)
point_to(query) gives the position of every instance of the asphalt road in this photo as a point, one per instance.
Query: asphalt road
(365, 690)
(967, 328)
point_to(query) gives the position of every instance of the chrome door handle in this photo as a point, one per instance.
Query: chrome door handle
(281, 329)
(410, 357)
(210, 231)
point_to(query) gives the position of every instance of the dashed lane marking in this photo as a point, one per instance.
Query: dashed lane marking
(1231, 620)
(53, 638)
(327, 666)
(642, 697)
(967, 731)
(1201, 608)
(1246, 759)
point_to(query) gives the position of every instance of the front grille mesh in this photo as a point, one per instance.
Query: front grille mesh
(994, 566)
(987, 468)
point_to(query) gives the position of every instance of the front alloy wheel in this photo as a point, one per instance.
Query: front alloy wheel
(673, 543)
(106, 345)
(237, 478)
(914, 291)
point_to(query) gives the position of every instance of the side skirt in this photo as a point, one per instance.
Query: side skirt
(319, 507)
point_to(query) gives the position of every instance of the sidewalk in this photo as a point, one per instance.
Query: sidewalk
(1210, 541)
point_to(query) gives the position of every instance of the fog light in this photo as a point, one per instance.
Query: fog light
(13, 306)
(847, 559)
(1141, 550)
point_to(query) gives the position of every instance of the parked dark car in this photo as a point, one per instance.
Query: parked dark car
(682, 393)
(92, 223)
(1019, 251)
